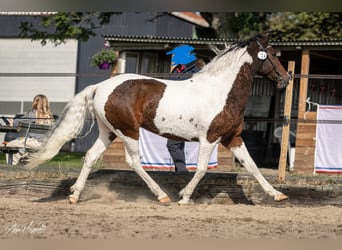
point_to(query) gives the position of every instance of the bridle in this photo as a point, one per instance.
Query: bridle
(265, 57)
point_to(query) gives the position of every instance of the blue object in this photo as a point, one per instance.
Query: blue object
(182, 54)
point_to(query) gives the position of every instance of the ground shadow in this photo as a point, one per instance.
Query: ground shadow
(128, 186)
(60, 192)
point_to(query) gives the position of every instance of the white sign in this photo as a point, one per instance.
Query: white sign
(262, 55)
(154, 153)
(328, 157)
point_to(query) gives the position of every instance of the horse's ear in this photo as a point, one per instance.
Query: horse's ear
(263, 37)
(267, 36)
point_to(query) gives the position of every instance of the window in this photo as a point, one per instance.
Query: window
(146, 62)
(132, 62)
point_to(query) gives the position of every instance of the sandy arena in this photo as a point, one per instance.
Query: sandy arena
(102, 215)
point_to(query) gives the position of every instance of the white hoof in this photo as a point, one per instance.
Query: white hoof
(280, 197)
(72, 200)
(185, 202)
(164, 199)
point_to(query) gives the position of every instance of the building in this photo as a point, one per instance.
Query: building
(27, 68)
(142, 40)
(317, 75)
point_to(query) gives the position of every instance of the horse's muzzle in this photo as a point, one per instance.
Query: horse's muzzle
(284, 81)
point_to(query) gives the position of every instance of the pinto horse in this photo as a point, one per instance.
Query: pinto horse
(208, 108)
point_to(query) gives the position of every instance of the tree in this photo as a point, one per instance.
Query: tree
(305, 25)
(239, 25)
(60, 27)
(281, 25)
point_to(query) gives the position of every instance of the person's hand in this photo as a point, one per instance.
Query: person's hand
(10, 121)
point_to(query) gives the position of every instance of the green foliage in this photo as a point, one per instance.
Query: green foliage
(69, 160)
(247, 24)
(60, 27)
(239, 25)
(280, 25)
(105, 55)
(305, 25)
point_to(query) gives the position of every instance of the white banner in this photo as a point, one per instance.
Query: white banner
(328, 155)
(154, 153)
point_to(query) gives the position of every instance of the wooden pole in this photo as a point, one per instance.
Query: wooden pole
(302, 159)
(116, 68)
(303, 84)
(286, 126)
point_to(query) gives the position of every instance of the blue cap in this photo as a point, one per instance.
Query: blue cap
(182, 54)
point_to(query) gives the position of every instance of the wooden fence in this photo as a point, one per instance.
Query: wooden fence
(114, 158)
(305, 144)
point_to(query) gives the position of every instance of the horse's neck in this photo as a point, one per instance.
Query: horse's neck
(228, 65)
(231, 78)
(223, 71)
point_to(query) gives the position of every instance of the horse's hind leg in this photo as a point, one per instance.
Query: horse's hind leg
(91, 157)
(133, 160)
(242, 154)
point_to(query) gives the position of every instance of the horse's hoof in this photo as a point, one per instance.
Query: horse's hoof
(164, 199)
(73, 200)
(280, 197)
(183, 202)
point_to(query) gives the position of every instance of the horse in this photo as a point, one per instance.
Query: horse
(208, 108)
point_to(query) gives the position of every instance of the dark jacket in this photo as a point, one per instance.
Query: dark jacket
(189, 68)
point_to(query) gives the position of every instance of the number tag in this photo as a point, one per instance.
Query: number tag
(262, 55)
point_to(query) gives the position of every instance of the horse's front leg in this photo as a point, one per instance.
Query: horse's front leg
(204, 154)
(242, 154)
(90, 159)
(133, 160)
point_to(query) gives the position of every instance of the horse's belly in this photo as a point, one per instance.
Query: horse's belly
(183, 122)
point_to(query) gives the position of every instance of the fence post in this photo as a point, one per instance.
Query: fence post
(286, 126)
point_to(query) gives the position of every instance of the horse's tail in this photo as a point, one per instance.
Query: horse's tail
(67, 127)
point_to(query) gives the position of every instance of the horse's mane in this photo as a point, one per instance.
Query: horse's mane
(241, 44)
(213, 66)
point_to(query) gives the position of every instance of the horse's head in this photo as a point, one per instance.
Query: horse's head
(269, 64)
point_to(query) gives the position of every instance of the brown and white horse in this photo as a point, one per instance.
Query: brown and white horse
(209, 108)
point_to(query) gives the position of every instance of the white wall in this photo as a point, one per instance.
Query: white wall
(26, 56)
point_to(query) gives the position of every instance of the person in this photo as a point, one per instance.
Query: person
(176, 148)
(39, 114)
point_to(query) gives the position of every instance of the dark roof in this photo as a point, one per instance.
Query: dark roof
(205, 41)
(123, 42)
(152, 39)
(192, 17)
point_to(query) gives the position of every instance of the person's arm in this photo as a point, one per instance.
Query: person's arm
(6, 121)
(28, 118)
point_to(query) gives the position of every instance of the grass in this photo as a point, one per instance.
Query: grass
(68, 160)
